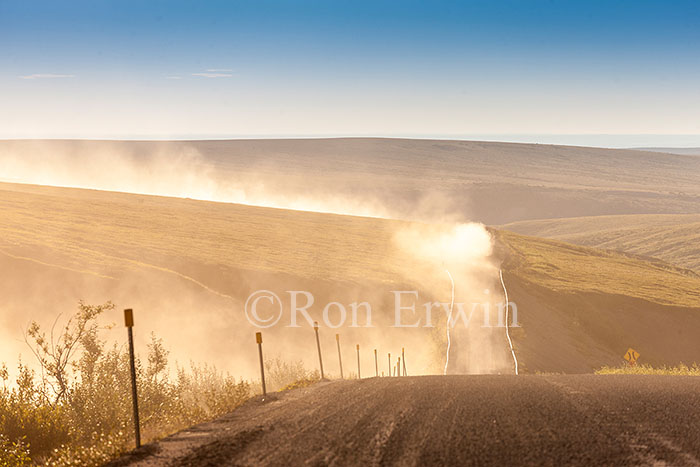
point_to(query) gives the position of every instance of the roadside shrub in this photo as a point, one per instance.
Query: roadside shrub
(280, 374)
(25, 417)
(76, 412)
(13, 453)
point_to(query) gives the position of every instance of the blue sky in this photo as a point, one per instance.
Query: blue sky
(388, 68)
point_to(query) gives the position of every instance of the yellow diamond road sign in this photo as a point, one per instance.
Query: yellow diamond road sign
(631, 355)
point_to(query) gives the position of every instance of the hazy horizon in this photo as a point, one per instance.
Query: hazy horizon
(613, 141)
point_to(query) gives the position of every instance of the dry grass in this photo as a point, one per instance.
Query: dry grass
(679, 370)
(74, 412)
(672, 238)
(301, 383)
(568, 268)
(98, 231)
(585, 297)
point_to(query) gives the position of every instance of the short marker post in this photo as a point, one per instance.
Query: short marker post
(358, 362)
(258, 339)
(398, 365)
(389, 364)
(340, 360)
(129, 323)
(318, 345)
(376, 364)
(403, 358)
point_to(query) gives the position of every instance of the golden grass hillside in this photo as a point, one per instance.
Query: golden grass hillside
(187, 267)
(567, 268)
(189, 264)
(98, 232)
(672, 238)
(582, 308)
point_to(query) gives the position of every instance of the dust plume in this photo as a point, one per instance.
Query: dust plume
(195, 303)
(179, 171)
(460, 254)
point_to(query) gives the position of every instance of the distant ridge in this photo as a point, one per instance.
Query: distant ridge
(494, 183)
(679, 151)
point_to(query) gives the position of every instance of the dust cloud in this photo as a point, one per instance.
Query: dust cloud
(173, 171)
(461, 254)
(195, 323)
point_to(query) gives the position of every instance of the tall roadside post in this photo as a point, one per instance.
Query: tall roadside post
(376, 364)
(258, 339)
(358, 362)
(340, 359)
(318, 345)
(129, 323)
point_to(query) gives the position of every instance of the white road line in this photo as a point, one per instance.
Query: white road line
(507, 307)
(449, 321)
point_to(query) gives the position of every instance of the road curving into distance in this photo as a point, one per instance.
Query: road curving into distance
(452, 420)
(507, 323)
(448, 323)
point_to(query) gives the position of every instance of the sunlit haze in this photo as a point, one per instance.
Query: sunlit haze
(356, 233)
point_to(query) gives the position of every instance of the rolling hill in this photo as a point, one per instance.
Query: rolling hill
(671, 238)
(583, 307)
(493, 183)
(187, 266)
(681, 151)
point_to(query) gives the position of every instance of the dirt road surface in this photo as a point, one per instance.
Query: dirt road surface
(452, 420)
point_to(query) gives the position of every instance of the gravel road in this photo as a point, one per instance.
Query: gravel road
(452, 420)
